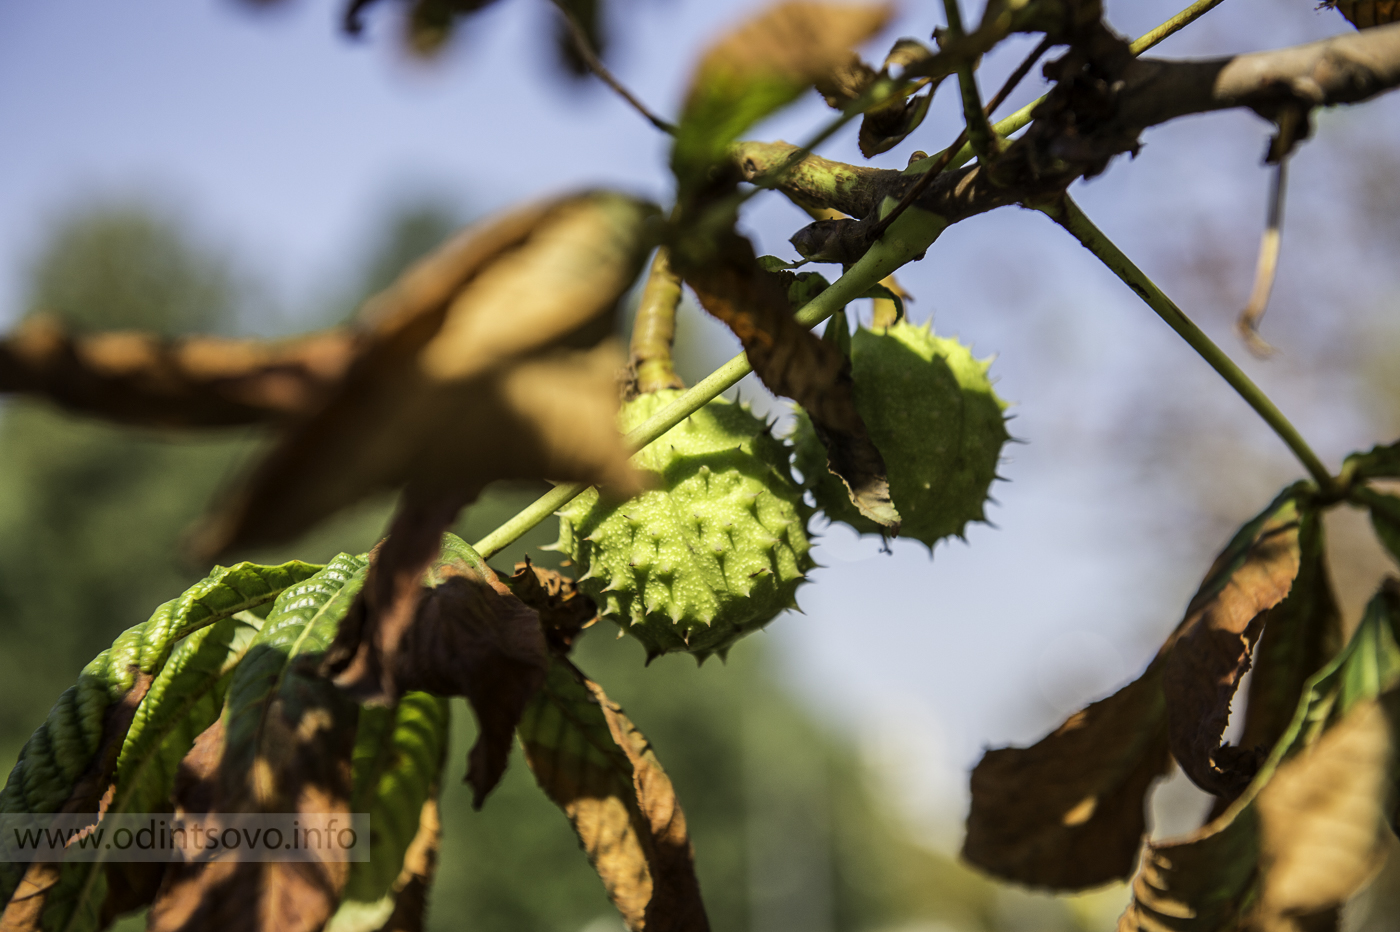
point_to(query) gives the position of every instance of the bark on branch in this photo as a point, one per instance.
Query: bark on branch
(1344, 69)
(1103, 100)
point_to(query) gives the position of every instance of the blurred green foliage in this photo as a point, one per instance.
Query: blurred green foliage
(790, 836)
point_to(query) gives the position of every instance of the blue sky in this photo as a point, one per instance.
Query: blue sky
(281, 139)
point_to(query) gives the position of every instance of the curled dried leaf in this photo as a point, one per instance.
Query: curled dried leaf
(1215, 641)
(1301, 634)
(792, 361)
(563, 608)
(467, 636)
(1311, 829)
(1069, 812)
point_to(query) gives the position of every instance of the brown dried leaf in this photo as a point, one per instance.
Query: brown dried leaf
(887, 125)
(1214, 643)
(1364, 14)
(310, 773)
(1068, 812)
(152, 381)
(468, 636)
(467, 375)
(1289, 854)
(1301, 634)
(846, 81)
(792, 361)
(595, 765)
(90, 794)
(563, 608)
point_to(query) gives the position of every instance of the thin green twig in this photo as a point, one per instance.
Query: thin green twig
(1174, 25)
(980, 135)
(1068, 215)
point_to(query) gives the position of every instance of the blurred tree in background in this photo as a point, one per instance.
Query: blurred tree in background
(786, 823)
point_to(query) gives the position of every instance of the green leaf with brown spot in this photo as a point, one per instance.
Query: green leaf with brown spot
(596, 766)
(284, 744)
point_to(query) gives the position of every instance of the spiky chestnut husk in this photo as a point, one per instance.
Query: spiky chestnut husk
(931, 412)
(717, 550)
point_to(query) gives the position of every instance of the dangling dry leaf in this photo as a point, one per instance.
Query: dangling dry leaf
(1312, 827)
(886, 126)
(469, 636)
(596, 766)
(468, 375)
(1068, 812)
(152, 381)
(1213, 646)
(1301, 634)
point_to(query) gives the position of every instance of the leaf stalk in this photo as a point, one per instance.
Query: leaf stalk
(1068, 215)
(654, 328)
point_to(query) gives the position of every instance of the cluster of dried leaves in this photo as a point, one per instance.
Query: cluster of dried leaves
(1304, 803)
(491, 359)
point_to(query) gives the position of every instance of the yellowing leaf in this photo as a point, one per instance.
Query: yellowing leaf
(759, 67)
(596, 766)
